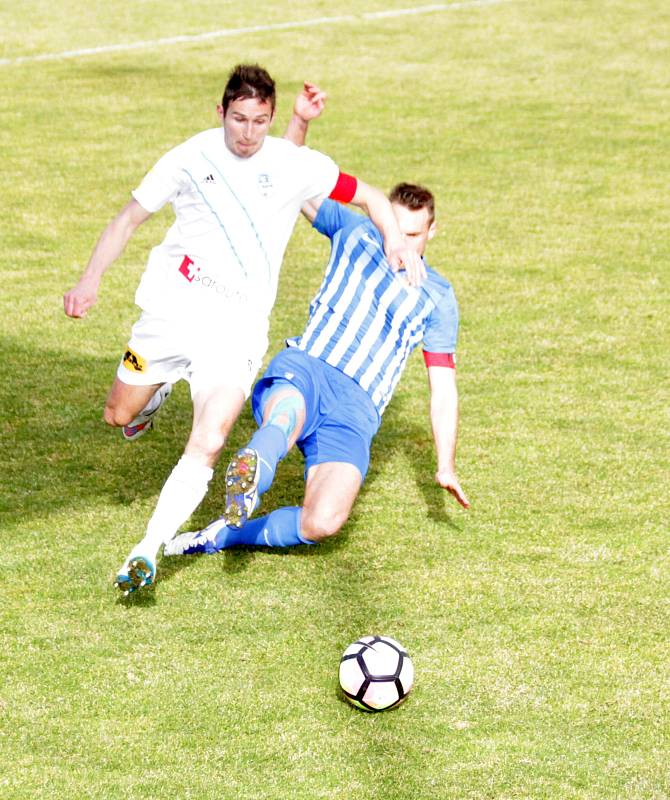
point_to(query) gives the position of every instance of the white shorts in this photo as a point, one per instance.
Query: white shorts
(207, 354)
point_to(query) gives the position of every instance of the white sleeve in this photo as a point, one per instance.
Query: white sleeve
(319, 172)
(163, 182)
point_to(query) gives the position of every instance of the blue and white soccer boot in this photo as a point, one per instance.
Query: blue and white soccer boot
(192, 542)
(136, 573)
(242, 478)
(144, 421)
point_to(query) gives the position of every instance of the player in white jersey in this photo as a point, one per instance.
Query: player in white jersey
(327, 391)
(209, 286)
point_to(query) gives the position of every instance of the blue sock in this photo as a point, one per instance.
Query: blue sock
(281, 528)
(271, 445)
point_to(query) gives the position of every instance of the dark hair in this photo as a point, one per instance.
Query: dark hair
(413, 197)
(249, 80)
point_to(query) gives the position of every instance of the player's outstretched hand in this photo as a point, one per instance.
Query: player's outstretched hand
(310, 103)
(411, 262)
(448, 480)
(78, 300)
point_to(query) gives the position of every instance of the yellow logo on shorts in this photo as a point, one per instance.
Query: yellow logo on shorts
(133, 362)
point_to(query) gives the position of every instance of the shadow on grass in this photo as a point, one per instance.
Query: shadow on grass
(237, 560)
(168, 567)
(57, 452)
(403, 433)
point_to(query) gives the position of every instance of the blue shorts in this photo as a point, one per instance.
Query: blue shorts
(341, 419)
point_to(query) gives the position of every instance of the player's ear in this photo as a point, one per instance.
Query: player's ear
(432, 230)
(220, 112)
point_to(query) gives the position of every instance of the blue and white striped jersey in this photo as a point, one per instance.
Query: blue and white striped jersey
(365, 320)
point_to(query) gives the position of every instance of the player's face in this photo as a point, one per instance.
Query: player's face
(245, 125)
(415, 226)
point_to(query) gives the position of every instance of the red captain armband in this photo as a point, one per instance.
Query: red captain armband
(345, 188)
(439, 359)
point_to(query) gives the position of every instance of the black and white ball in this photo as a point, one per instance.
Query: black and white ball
(376, 673)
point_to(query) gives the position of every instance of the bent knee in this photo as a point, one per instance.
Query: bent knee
(116, 417)
(320, 526)
(207, 444)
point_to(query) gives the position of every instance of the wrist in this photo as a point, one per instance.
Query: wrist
(447, 468)
(91, 277)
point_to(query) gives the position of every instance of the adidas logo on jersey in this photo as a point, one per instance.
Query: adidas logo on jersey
(209, 179)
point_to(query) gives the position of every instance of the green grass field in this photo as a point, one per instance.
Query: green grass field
(538, 621)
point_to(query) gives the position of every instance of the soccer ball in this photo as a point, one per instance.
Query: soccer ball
(376, 673)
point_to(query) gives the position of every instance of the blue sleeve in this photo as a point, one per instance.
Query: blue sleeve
(442, 325)
(333, 216)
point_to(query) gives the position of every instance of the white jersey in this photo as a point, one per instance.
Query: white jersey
(234, 217)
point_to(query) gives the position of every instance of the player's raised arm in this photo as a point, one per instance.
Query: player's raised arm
(309, 105)
(109, 247)
(444, 420)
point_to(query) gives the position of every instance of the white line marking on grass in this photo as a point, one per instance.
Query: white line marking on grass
(399, 12)
(277, 26)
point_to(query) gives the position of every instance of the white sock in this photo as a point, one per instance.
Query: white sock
(181, 494)
(154, 401)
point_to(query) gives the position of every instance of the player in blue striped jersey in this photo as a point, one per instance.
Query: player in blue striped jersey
(327, 391)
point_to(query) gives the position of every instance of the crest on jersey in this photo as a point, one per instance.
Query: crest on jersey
(265, 185)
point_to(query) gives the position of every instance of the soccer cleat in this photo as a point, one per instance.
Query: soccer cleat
(192, 542)
(144, 422)
(242, 478)
(132, 432)
(136, 573)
